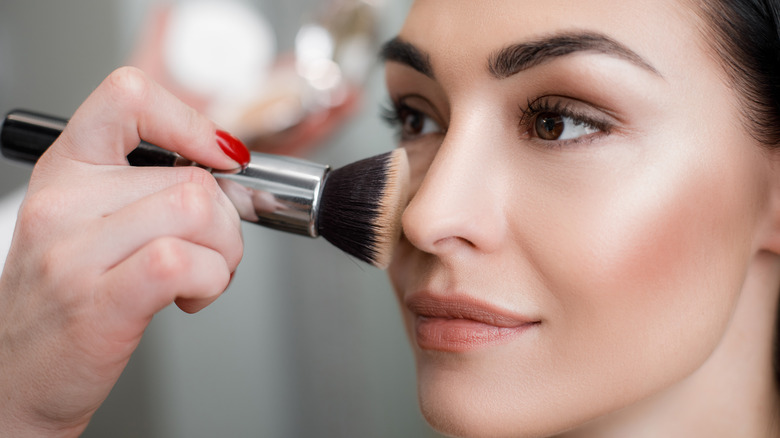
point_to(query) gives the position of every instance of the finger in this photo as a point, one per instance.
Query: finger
(93, 193)
(162, 271)
(113, 188)
(188, 211)
(128, 107)
(194, 305)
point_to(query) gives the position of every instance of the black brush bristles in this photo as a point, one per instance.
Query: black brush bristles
(361, 205)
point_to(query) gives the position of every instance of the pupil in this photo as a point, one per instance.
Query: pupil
(549, 126)
(414, 123)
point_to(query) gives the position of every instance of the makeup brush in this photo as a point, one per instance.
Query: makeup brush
(356, 207)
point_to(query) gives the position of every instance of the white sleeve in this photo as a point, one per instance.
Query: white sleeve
(9, 208)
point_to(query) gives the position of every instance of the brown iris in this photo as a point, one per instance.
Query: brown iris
(549, 126)
(413, 122)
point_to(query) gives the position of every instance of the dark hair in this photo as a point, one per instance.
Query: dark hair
(745, 35)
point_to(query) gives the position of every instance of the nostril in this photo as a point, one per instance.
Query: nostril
(442, 245)
(442, 223)
(430, 228)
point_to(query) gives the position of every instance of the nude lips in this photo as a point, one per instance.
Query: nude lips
(459, 325)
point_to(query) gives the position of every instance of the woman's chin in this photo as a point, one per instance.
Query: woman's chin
(455, 409)
(476, 423)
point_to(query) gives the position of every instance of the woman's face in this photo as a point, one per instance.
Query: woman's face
(586, 202)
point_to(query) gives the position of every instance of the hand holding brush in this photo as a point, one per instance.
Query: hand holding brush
(356, 207)
(100, 246)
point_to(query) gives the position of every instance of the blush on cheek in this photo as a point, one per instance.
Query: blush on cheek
(648, 275)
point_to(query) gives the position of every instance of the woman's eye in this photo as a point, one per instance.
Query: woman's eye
(552, 126)
(408, 122)
(415, 123)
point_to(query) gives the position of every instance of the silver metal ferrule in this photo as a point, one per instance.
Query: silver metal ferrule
(277, 192)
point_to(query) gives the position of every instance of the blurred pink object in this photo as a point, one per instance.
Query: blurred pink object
(219, 58)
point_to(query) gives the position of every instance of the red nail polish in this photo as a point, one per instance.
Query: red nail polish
(233, 148)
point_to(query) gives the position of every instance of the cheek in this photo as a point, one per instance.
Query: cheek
(408, 267)
(643, 270)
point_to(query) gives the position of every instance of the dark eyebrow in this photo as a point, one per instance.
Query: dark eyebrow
(406, 53)
(518, 57)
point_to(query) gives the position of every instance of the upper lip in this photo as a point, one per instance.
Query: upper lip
(458, 306)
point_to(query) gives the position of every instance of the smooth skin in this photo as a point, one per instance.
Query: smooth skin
(89, 265)
(643, 241)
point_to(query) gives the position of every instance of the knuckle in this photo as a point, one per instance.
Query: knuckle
(129, 84)
(38, 212)
(167, 259)
(194, 204)
(198, 176)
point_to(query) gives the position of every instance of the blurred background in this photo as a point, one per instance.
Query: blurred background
(306, 342)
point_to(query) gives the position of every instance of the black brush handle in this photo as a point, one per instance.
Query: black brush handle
(26, 135)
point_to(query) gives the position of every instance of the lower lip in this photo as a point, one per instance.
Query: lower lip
(460, 335)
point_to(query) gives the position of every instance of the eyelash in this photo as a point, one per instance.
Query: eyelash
(393, 114)
(534, 108)
(390, 113)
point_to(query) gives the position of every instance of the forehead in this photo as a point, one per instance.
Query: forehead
(463, 32)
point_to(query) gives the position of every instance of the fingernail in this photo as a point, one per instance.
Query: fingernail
(233, 148)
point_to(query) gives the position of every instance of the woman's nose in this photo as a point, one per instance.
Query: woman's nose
(458, 204)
